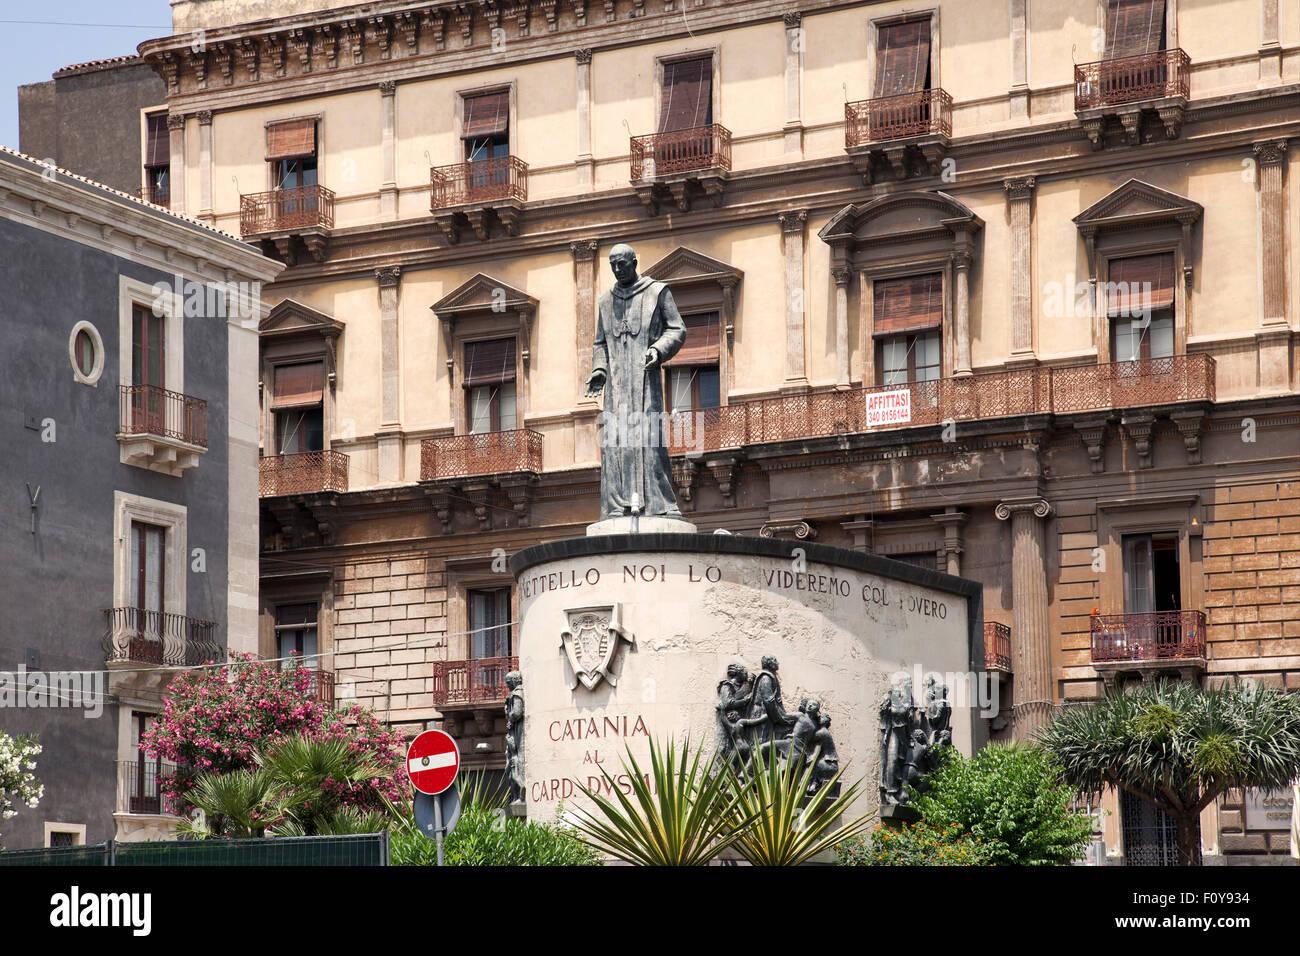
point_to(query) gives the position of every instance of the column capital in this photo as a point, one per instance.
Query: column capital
(387, 87)
(961, 260)
(388, 276)
(792, 221)
(841, 275)
(1269, 152)
(584, 250)
(792, 18)
(175, 120)
(582, 55)
(1019, 187)
(204, 117)
(1039, 507)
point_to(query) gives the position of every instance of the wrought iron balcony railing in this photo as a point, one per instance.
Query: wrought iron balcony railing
(1131, 79)
(282, 210)
(484, 181)
(160, 195)
(897, 117)
(150, 410)
(138, 789)
(303, 473)
(322, 687)
(680, 151)
(997, 646)
(139, 636)
(1079, 388)
(1158, 635)
(487, 453)
(478, 681)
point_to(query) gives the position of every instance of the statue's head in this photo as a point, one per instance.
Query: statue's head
(769, 663)
(514, 680)
(623, 261)
(737, 672)
(813, 708)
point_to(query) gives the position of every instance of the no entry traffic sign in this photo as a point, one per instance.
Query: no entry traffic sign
(432, 761)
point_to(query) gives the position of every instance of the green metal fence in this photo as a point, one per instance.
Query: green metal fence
(370, 849)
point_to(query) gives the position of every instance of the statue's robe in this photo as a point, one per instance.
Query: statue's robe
(634, 449)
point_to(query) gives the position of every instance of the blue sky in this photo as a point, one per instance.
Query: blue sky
(38, 38)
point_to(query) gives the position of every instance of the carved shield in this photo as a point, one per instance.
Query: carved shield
(591, 643)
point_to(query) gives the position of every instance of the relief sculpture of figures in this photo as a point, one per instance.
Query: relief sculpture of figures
(912, 738)
(515, 736)
(734, 696)
(638, 328)
(895, 718)
(767, 718)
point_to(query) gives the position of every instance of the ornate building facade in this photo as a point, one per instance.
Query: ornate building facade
(1005, 289)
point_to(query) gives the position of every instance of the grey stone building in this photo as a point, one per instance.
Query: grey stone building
(128, 382)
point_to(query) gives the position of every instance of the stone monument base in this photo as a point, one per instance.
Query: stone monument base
(894, 815)
(647, 524)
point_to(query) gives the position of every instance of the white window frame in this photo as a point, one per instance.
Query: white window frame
(78, 831)
(98, 368)
(128, 508)
(132, 293)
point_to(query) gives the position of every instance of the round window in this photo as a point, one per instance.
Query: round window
(84, 350)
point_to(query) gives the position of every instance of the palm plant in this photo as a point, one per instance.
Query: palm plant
(677, 815)
(238, 804)
(786, 826)
(321, 772)
(1179, 747)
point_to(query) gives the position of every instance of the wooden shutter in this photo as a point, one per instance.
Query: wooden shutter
(487, 114)
(687, 97)
(1127, 284)
(158, 143)
(291, 139)
(298, 386)
(902, 58)
(1134, 27)
(489, 363)
(910, 304)
(701, 346)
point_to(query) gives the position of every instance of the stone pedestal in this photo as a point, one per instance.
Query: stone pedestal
(623, 637)
(651, 524)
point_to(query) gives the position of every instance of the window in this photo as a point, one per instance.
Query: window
(486, 126)
(902, 58)
(298, 407)
(1140, 301)
(86, 352)
(157, 159)
(148, 548)
(62, 838)
(64, 834)
(145, 796)
(489, 622)
(1152, 580)
(1150, 834)
(1134, 27)
(693, 380)
(295, 634)
(489, 384)
(291, 150)
(907, 316)
(686, 99)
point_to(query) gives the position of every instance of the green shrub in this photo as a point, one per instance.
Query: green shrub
(1012, 800)
(914, 844)
(485, 837)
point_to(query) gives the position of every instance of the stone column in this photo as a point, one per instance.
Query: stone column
(841, 275)
(1020, 192)
(794, 44)
(586, 165)
(584, 301)
(951, 521)
(390, 427)
(1270, 51)
(792, 229)
(1274, 341)
(1019, 94)
(388, 149)
(177, 170)
(205, 166)
(1031, 640)
(961, 269)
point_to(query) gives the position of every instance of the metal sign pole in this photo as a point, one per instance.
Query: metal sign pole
(437, 825)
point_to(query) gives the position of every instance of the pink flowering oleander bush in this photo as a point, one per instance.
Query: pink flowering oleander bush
(217, 720)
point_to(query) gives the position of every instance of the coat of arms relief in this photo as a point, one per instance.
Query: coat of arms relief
(592, 642)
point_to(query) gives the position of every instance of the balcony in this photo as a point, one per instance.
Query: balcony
(321, 687)
(478, 681)
(302, 474)
(488, 453)
(1148, 644)
(138, 789)
(477, 194)
(161, 430)
(906, 135)
(680, 165)
(158, 639)
(1122, 87)
(997, 647)
(160, 195)
(989, 395)
(282, 217)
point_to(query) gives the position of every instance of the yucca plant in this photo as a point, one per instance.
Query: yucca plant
(677, 815)
(786, 826)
